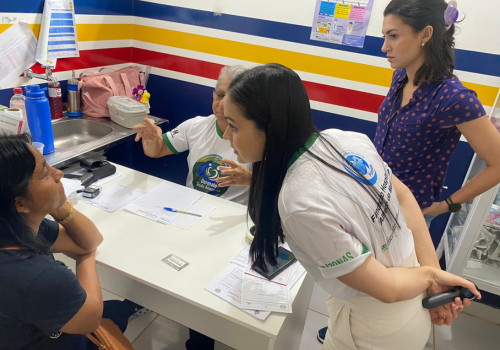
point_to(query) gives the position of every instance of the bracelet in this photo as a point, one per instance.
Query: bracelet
(70, 215)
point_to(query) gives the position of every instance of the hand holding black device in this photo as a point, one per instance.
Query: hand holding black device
(285, 259)
(447, 297)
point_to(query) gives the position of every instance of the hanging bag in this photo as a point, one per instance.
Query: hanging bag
(109, 337)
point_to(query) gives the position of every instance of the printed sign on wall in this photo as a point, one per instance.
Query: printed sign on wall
(341, 22)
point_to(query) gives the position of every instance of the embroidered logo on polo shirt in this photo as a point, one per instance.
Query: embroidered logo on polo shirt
(358, 162)
(205, 172)
(174, 132)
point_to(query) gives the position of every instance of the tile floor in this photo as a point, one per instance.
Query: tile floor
(154, 332)
(478, 328)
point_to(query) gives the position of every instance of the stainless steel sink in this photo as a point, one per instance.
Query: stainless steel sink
(75, 139)
(70, 133)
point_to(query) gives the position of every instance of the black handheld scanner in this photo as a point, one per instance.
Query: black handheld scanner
(447, 297)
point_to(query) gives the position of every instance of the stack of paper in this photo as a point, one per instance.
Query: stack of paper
(70, 185)
(115, 197)
(253, 293)
(170, 195)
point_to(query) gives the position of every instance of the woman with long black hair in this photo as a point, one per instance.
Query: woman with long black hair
(355, 228)
(43, 305)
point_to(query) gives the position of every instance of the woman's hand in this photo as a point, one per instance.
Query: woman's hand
(62, 212)
(442, 282)
(437, 208)
(149, 133)
(444, 314)
(237, 175)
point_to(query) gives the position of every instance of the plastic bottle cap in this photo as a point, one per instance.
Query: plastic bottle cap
(18, 91)
(34, 91)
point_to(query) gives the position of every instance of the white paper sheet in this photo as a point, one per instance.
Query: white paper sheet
(296, 270)
(296, 273)
(58, 37)
(186, 221)
(108, 179)
(282, 278)
(115, 197)
(228, 286)
(259, 294)
(17, 52)
(242, 258)
(164, 195)
(70, 185)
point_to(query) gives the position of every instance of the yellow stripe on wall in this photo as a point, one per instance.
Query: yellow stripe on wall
(299, 61)
(96, 32)
(34, 27)
(363, 73)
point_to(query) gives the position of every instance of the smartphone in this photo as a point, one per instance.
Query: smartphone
(285, 259)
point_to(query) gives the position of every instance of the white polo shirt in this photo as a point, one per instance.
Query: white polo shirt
(330, 222)
(202, 137)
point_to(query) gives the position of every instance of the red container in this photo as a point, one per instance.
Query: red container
(55, 100)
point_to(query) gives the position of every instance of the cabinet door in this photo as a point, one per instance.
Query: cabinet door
(472, 237)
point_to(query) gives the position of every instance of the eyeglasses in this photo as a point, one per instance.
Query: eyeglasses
(218, 95)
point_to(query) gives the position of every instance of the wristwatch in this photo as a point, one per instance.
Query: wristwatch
(453, 207)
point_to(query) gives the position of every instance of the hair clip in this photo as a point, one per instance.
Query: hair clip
(450, 14)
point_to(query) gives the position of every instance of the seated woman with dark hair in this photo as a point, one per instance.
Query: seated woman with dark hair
(43, 304)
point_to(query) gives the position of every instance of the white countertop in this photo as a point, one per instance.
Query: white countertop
(135, 246)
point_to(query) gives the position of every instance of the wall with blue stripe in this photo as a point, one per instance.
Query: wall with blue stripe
(181, 100)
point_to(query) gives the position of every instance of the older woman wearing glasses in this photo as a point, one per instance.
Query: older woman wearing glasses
(213, 167)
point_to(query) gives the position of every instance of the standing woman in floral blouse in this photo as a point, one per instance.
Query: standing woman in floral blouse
(427, 108)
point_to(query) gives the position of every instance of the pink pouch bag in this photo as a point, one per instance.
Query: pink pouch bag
(97, 88)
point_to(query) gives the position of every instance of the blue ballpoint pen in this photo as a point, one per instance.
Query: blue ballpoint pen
(181, 212)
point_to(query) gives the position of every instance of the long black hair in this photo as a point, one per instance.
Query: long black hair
(17, 165)
(275, 99)
(439, 54)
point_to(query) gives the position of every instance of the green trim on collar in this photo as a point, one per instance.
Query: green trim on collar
(169, 144)
(220, 133)
(310, 141)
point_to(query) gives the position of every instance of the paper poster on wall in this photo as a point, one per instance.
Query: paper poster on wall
(58, 37)
(341, 22)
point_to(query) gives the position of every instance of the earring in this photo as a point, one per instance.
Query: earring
(423, 44)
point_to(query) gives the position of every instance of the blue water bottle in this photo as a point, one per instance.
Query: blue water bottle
(38, 113)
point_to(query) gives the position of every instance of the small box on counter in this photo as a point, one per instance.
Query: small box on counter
(126, 111)
(12, 121)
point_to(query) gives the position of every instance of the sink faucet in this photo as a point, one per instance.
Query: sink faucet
(28, 73)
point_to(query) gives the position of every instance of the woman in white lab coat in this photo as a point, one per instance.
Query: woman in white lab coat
(355, 228)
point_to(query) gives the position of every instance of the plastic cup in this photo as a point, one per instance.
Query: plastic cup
(38, 146)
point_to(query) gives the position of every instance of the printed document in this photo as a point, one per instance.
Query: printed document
(295, 274)
(58, 37)
(259, 294)
(242, 258)
(186, 221)
(17, 52)
(282, 278)
(228, 286)
(114, 198)
(165, 195)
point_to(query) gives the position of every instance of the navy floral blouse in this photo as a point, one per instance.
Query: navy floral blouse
(418, 140)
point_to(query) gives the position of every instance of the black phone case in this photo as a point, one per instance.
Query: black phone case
(283, 268)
